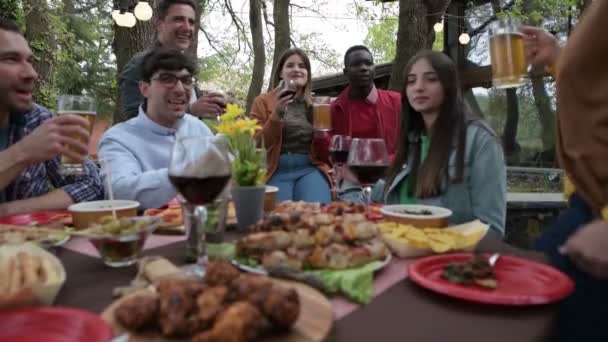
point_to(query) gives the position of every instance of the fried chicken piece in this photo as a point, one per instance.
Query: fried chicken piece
(137, 312)
(176, 304)
(240, 322)
(282, 307)
(210, 303)
(281, 259)
(220, 273)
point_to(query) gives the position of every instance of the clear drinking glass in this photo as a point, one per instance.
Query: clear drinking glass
(338, 152)
(321, 115)
(368, 161)
(200, 170)
(84, 107)
(507, 54)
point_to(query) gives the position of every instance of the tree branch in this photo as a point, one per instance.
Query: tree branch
(483, 26)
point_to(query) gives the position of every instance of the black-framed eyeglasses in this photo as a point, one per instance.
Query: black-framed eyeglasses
(170, 80)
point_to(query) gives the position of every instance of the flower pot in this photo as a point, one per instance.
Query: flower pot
(248, 204)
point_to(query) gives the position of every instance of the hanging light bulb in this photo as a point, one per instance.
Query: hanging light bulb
(130, 20)
(143, 11)
(121, 19)
(464, 38)
(438, 27)
(115, 14)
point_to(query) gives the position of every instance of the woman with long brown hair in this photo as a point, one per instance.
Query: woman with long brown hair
(444, 156)
(285, 114)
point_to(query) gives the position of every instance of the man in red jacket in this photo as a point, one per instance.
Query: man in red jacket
(362, 110)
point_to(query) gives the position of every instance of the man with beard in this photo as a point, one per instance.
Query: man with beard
(32, 140)
(138, 150)
(175, 25)
(362, 110)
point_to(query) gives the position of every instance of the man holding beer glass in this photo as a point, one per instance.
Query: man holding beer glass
(578, 241)
(175, 25)
(32, 140)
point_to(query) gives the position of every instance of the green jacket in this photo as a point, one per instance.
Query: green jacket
(482, 193)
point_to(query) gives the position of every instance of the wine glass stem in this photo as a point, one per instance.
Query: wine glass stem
(367, 194)
(195, 217)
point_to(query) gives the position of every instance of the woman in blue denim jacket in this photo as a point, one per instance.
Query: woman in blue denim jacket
(444, 157)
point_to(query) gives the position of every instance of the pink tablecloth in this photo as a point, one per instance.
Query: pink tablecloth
(394, 272)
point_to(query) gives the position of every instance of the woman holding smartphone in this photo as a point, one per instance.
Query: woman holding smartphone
(285, 114)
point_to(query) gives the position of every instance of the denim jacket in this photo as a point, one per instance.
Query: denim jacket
(482, 193)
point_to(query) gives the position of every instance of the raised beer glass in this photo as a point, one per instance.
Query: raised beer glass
(321, 115)
(507, 54)
(84, 107)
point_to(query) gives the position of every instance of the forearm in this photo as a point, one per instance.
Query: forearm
(152, 189)
(54, 200)
(12, 163)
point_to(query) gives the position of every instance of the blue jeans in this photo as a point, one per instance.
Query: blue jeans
(583, 315)
(299, 180)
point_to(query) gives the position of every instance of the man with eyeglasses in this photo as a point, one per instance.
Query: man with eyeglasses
(138, 150)
(175, 25)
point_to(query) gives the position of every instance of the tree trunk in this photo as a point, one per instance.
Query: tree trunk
(127, 42)
(415, 32)
(40, 35)
(546, 115)
(282, 32)
(202, 4)
(259, 54)
(510, 132)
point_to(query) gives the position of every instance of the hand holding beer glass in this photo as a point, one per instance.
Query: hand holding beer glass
(85, 108)
(507, 53)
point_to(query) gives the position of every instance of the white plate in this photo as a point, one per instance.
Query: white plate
(396, 211)
(261, 271)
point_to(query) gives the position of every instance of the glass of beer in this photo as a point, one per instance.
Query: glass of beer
(84, 107)
(321, 116)
(509, 67)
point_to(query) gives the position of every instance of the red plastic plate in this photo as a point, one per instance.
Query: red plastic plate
(520, 281)
(53, 324)
(42, 217)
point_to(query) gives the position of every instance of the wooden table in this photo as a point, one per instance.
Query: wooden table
(405, 312)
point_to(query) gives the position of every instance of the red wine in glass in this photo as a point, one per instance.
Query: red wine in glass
(339, 156)
(368, 174)
(200, 191)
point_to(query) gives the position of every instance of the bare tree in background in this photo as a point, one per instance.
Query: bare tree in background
(259, 53)
(282, 32)
(415, 32)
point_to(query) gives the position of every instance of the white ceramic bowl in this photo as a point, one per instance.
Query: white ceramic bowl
(402, 213)
(86, 213)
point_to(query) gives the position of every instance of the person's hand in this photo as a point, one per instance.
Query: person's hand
(284, 97)
(209, 106)
(542, 48)
(588, 250)
(62, 134)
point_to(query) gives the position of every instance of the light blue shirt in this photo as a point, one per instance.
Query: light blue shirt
(139, 152)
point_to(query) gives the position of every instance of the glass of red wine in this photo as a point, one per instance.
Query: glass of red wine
(200, 169)
(338, 153)
(368, 161)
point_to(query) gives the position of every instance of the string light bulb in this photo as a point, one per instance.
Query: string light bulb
(130, 20)
(143, 11)
(464, 38)
(438, 27)
(115, 15)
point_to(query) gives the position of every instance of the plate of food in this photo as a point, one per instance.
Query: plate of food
(311, 241)
(225, 305)
(407, 241)
(45, 237)
(418, 215)
(29, 275)
(511, 281)
(171, 219)
(51, 217)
